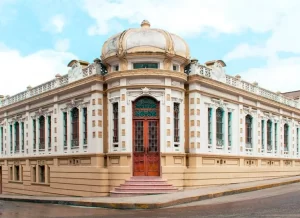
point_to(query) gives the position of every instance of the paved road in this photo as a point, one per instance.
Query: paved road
(283, 201)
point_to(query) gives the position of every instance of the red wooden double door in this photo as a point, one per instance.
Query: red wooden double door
(146, 149)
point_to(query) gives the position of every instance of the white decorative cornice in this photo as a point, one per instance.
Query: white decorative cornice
(75, 103)
(114, 99)
(219, 102)
(250, 111)
(286, 120)
(177, 100)
(17, 118)
(146, 92)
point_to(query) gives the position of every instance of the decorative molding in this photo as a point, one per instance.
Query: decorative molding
(249, 111)
(145, 72)
(78, 103)
(114, 99)
(177, 100)
(17, 118)
(146, 92)
(219, 103)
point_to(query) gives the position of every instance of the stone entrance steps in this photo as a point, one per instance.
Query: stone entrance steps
(143, 185)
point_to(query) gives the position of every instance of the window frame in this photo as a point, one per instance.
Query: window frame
(249, 131)
(286, 137)
(85, 126)
(146, 63)
(229, 133)
(220, 127)
(115, 124)
(210, 129)
(263, 135)
(75, 128)
(176, 127)
(49, 132)
(42, 135)
(65, 130)
(17, 137)
(269, 135)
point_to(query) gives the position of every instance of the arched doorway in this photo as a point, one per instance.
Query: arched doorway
(146, 148)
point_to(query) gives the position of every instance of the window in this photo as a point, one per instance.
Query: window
(269, 135)
(17, 173)
(115, 124)
(34, 135)
(209, 125)
(49, 133)
(85, 126)
(115, 68)
(1, 138)
(145, 65)
(42, 174)
(263, 135)
(175, 67)
(220, 127)
(176, 122)
(17, 137)
(229, 128)
(11, 138)
(276, 136)
(75, 128)
(248, 131)
(22, 136)
(65, 130)
(33, 174)
(42, 133)
(286, 135)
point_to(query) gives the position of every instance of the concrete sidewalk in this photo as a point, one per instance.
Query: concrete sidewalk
(157, 201)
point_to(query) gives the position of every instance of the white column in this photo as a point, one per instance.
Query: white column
(69, 131)
(1, 142)
(37, 126)
(46, 133)
(20, 137)
(225, 131)
(80, 122)
(273, 137)
(241, 146)
(13, 137)
(214, 129)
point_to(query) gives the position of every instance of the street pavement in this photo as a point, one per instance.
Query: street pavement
(282, 201)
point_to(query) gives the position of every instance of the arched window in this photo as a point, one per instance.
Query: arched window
(286, 135)
(269, 135)
(220, 127)
(42, 133)
(248, 131)
(75, 128)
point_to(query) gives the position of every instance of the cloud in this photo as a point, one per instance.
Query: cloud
(62, 45)
(191, 16)
(32, 69)
(55, 24)
(278, 75)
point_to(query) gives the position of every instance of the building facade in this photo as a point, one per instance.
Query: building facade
(145, 109)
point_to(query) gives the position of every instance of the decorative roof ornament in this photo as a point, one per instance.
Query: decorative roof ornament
(145, 24)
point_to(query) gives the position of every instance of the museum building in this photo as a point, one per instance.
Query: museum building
(145, 111)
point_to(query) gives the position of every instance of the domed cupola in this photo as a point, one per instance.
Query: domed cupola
(145, 41)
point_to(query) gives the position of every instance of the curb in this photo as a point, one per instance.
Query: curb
(149, 205)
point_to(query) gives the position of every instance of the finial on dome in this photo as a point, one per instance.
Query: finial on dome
(145, 24)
